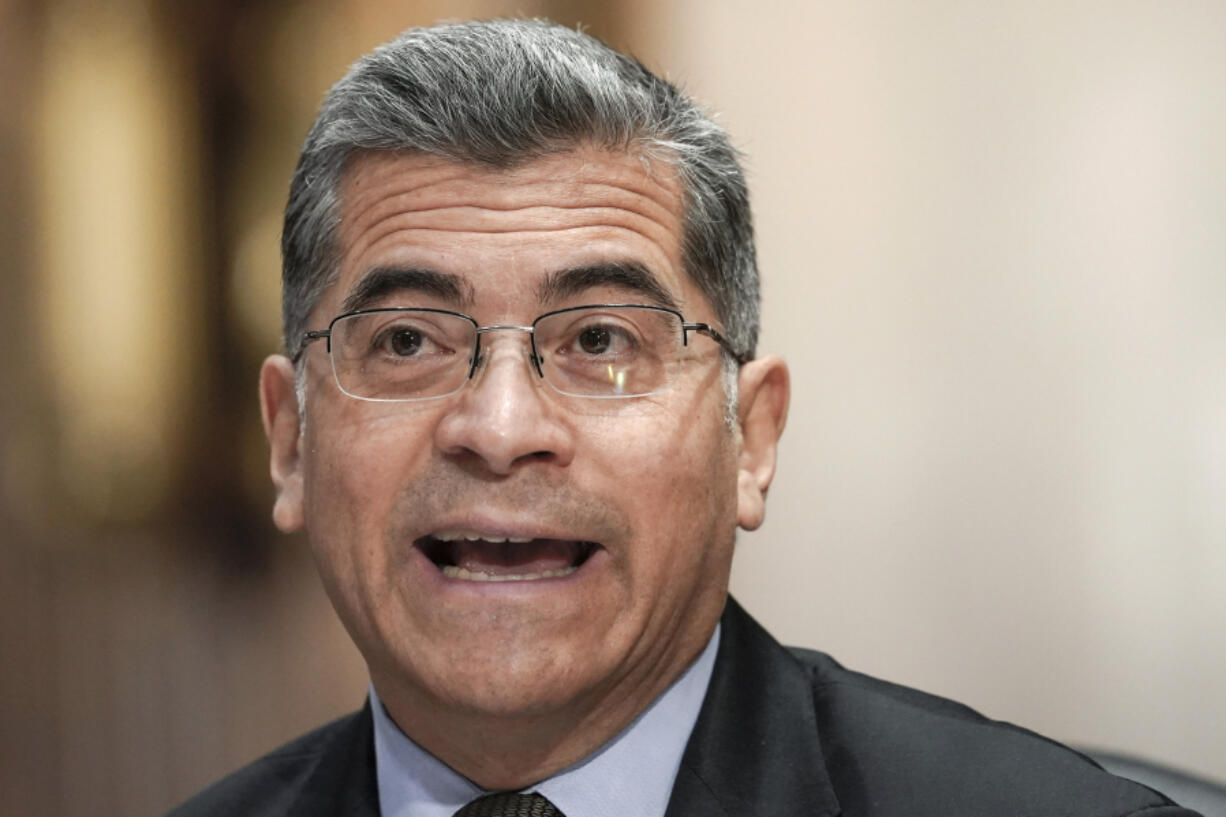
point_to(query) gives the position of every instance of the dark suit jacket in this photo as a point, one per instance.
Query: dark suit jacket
(781, 733)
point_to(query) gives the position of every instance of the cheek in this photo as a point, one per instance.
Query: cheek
(677, 480)
(353, 476)
(354, 473)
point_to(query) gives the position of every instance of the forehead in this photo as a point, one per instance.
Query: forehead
(501, 231)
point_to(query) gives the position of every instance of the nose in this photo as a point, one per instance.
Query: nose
(505, 417)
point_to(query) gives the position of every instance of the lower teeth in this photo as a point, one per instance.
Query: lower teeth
(456, 572)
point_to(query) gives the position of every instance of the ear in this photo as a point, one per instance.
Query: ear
(282, 426)
(764, 388)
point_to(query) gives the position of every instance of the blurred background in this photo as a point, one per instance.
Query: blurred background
(993, 240)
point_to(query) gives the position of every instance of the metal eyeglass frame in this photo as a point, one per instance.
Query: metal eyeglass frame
(686, 327)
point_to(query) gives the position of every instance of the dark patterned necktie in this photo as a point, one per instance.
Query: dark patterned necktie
(510, 804)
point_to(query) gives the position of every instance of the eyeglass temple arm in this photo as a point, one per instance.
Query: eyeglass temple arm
(713, 334)
(307, 338)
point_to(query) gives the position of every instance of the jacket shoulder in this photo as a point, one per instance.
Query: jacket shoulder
(271, 784)
(892, 749)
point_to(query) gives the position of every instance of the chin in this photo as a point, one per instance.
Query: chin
(524, 689)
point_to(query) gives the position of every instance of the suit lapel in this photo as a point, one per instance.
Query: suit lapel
(754, 750)
(343, 781)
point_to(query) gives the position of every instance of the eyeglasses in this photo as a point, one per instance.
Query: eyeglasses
(602, 351)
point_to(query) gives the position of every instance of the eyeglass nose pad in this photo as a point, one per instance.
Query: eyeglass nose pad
(479, 357)
(476, 359)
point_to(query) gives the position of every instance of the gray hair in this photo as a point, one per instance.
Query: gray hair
(501, 94)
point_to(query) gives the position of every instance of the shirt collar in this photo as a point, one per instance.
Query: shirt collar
(630, 776)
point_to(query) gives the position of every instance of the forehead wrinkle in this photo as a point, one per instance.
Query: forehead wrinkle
(459, 222)
(389, 187)
(396, 207)
(391, 203)
(479, 220)
(449, 184)
(468, 219)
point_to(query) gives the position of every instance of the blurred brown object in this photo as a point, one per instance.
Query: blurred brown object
(155, 632)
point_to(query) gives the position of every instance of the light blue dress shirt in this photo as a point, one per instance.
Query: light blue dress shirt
(630, 776)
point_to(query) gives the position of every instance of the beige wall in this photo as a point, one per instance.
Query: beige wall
(993, 238)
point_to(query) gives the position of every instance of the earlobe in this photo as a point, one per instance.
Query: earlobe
(282, 426)
(764, 390)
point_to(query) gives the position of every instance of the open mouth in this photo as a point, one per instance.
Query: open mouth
(478, 557)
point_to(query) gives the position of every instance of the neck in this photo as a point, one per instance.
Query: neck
(505, 753)
(514, 750)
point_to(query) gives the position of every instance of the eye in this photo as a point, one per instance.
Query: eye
(404, 342)
(401, 338)
(595, 340)
(606, 338)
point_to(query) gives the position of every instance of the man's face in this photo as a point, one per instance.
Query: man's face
(640, 496)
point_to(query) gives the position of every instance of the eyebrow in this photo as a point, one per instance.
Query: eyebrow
(381, 282)
(628, 275)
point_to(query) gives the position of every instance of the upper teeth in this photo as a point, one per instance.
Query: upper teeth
(454, 572)
(471, 536)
